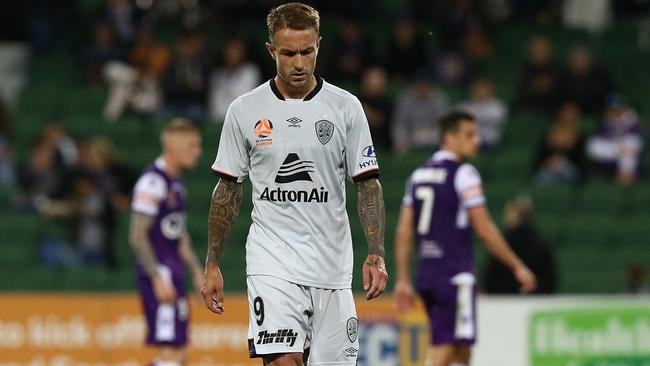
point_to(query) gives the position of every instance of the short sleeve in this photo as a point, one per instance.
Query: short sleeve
(232, 161)
(361, 160)
(407, 200)
(149, 191)
(469, 186)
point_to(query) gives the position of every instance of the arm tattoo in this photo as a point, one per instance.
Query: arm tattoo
(139, 239)
(224, 209)
(370, 207)
(187, 251)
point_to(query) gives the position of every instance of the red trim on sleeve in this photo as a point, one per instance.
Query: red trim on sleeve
(225, 176)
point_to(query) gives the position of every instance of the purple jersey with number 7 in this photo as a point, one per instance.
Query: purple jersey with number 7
(440, 192)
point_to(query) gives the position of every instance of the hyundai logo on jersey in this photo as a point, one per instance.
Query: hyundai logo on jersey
(368, 152)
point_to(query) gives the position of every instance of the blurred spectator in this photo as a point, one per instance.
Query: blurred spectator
(377, 105)
(418, 107)
(351, 52)
(148, 57)
(52, 160)
(100, 189)
(101, 51)
(136, 86)
(591, 15)
(39, 178)
(477, 45)
(406, 51)
(44, 22)
(124, 20)
(526, 243)
(560, 156)
(635, 273)
(7, 168)
(464, 29)
(617, 146)
(237, 76)
(539, 10)
(584, 82)
(451, 69)
(185, 85)
(66, 154)
(489, 111)
(106, 192)
(537, 82)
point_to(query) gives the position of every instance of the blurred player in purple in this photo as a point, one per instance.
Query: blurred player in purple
(162, 244)
(443, 202)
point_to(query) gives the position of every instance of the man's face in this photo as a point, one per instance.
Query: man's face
(465, 142)
(186, 148)
(295, 52)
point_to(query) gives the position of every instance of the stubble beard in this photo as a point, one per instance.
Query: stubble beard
(292, 88)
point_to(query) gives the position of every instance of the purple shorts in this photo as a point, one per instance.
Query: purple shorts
(167, 324)
(451, 307)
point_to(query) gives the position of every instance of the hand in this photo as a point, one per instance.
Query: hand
(212, 289)
(625, 178)
(404, 296)
(374, 276)
(526, 279)
(197, 279)
(164, 291)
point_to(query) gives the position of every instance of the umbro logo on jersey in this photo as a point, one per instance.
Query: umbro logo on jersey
(293, 169)
(294, 122)
(281, 336)
(351, 352)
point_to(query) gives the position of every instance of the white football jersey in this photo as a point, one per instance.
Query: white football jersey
(297, 154)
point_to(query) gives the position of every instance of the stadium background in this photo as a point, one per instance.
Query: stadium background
(596, 229)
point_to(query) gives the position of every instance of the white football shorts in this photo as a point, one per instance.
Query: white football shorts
(288, 318)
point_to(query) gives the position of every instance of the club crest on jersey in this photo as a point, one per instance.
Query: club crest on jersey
(263, 129)
(324, 131)
(353, 329)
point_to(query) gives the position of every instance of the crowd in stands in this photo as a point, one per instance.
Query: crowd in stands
(403, 89)
(82, 183)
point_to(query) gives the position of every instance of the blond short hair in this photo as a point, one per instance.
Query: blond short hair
(178, 126)
(297, 16)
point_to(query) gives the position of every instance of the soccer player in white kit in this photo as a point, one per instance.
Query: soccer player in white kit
(297, 138)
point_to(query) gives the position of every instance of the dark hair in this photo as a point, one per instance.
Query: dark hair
(297, 16)
(450, 121)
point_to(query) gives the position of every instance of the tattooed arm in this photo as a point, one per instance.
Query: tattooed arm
(226, 199)
(370, 207)
(139, 240)
(186, 252)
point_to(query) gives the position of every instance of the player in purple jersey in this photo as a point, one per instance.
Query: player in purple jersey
(162, 244)
(443, 202)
